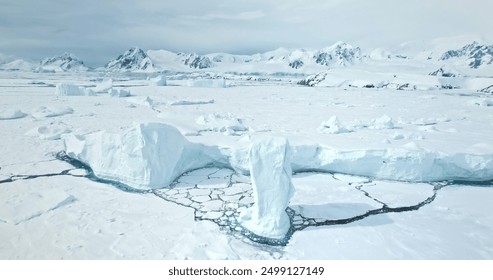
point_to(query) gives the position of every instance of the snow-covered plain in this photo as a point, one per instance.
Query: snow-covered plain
(379, 173)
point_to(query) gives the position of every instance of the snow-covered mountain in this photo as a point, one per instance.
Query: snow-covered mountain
(340, 54)
(474, 55)
(135, 59)
(441, 57)
(18, 65)
(62, 63)
(5, 58)
(280, 60)
(196, 61)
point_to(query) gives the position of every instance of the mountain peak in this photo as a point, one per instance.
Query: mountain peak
(340, 53)
(61, 63)
(134, 59)
(474, 54)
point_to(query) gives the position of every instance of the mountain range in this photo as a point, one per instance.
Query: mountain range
(473, 55)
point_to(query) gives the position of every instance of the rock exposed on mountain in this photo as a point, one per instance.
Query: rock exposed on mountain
(196, 61)
(340, 54)
(62, 63)
(298, 63)
(488, 89)
(313, 79)
(474, 54)
(444, 72)
(135, 59)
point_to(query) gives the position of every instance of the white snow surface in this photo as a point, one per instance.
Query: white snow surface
(270, 170)
(439, 134)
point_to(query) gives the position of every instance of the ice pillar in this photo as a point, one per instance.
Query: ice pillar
(270, 170)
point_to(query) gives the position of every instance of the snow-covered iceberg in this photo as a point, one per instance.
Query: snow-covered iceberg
(207, 83)
(119, 93)
(72, 90)
(104, 86)
(158, 81)
(409, 163)
(145, 156)
(270, 170)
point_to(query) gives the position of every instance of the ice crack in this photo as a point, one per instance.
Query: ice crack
(219, 195)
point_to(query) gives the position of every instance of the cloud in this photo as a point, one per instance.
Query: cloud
(98, 31)
(243, 16)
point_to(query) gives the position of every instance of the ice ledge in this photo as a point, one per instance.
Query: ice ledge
(153, 155)
(400, 164)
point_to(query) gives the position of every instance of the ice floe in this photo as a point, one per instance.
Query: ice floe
(119, 93)
(50, 132)
(207, 83)
(50, 112)
(226, 123)
(191, 102)
(10, 114)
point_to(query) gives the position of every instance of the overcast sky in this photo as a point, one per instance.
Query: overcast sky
(99, 30)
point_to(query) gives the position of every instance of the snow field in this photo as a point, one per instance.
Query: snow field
(435, 135)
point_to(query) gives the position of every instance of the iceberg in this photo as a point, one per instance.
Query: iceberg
(207, 83)
(104, 86)
(332, 126)
(72, 90)
(270, 170)
(144, 156)
(119, 93)
(158, 81)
